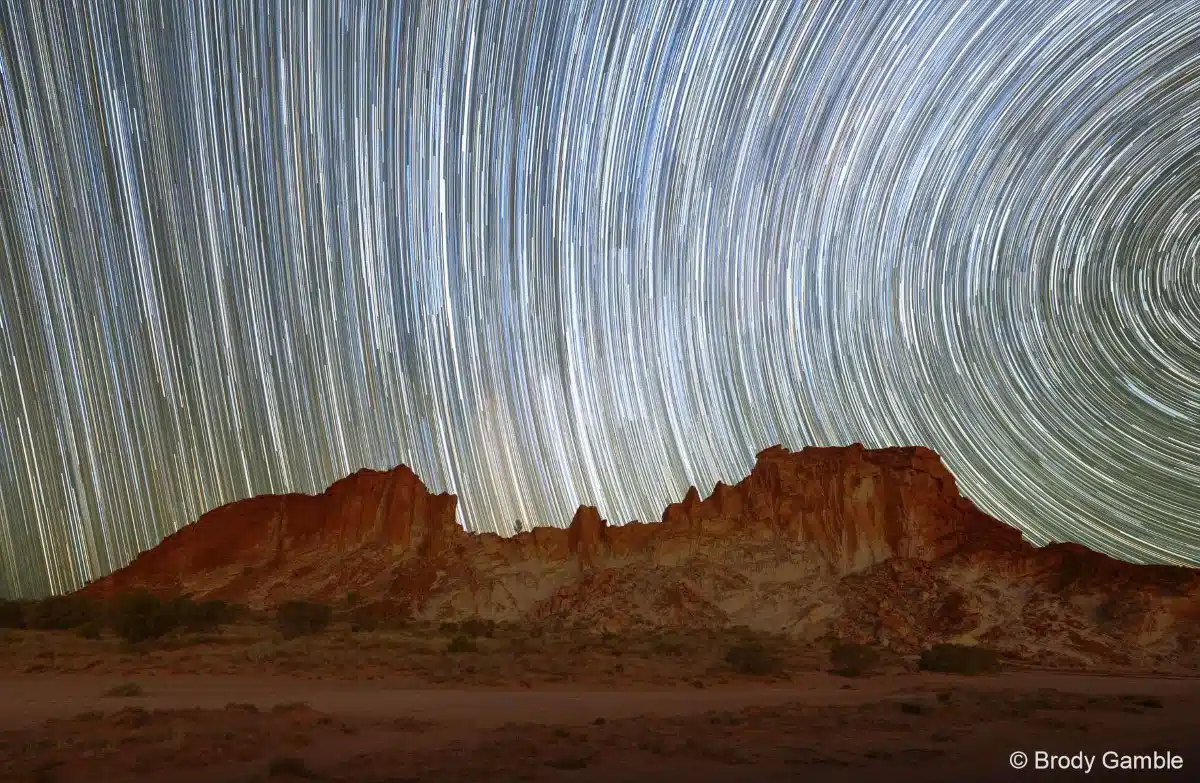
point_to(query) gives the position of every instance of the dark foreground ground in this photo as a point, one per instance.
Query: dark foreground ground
(905, 727)
(244, 702)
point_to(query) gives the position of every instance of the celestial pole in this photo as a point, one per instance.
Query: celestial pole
(553, 253)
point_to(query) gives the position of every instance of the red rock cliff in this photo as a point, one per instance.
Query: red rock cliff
(870, 544)
(846, 508)
(389, 511)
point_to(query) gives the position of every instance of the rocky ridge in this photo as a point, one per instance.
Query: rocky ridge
(867, 545)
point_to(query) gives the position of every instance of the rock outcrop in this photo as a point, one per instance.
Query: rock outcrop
(869, 545)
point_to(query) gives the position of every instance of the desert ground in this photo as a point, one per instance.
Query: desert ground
(448, 702)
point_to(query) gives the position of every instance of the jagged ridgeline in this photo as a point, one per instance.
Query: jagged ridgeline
(873, 546)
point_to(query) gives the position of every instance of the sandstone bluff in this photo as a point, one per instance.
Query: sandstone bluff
(866, 545)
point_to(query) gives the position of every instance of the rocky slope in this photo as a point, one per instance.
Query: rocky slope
(868, 545)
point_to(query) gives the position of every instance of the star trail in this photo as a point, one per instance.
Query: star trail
(552, 253)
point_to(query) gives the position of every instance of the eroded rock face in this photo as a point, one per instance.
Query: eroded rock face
(385, 513)
(869, 545)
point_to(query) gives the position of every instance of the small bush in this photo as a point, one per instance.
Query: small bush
(90, 630)
(140, 615)
(461, 644)
(363, 621)
(61, 613)
(302, 618)
(126, 690)
(12, 614)
(853, 660)
(477, 627)
(288, 766)
(753, 659)
(668, 648)
(960, 659)
(200, 616)
(263, 652)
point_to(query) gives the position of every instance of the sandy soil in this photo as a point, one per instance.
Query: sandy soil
(244, 704)
(63, 727)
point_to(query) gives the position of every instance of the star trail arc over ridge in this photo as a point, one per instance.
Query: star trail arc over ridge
(561, 253)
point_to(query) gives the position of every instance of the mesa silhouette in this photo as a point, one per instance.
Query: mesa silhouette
(868, 546)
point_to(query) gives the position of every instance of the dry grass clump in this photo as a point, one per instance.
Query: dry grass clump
(126, 690)
(135, 616)
(754, 659)
(669, 647)
(12, 614)
(462, 644)
(363, 620)
(60, 612)
(205, 616)
(960, 659)
(853, 660)
(288, 766)
(473, 628)
(92, 629)
(302, 618)
(139, 615)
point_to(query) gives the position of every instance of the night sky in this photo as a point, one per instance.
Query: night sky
(558, 253)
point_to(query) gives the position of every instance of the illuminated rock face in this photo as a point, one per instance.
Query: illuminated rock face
(872, 545)
(253, 547)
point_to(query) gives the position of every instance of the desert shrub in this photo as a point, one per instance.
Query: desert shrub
(363, 621)
(395, 622)
(61, 612)
(960, 659)
(230, 612)
(200, 616)
(477, 627)
(522, 645)
(302, 618)
(669, 648)
(263, 652)
(853, 660)
(461, 644)
(126, 690)
(752, 658)
(90, 630)
(12, 614)
(139, 615)
(569, 762)
(288, 767)
(242, 706)
(379, 617)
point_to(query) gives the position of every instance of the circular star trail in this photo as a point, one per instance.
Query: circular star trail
(556, 253)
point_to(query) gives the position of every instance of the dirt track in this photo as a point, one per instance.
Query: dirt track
(820, 728)
(27, 701)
